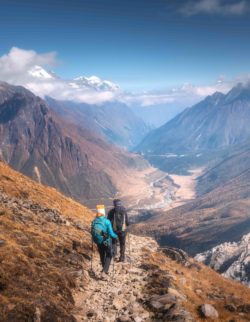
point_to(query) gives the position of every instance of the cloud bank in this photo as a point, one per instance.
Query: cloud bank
(28, 68)
(219, 7)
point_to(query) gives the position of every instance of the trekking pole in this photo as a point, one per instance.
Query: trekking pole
(129, 244)
(113, 274)
(92, 250)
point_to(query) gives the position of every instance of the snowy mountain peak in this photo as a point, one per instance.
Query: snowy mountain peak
(40, 72)
(97, 83)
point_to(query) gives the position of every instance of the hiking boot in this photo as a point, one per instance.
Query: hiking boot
(104, 276)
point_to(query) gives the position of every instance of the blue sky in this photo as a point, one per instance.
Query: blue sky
(139, 44)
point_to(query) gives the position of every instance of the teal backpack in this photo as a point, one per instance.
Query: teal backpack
(99, 231)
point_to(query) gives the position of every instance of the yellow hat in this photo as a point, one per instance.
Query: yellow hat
(100, 209)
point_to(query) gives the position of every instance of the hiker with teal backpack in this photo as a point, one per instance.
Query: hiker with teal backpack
(102, 235)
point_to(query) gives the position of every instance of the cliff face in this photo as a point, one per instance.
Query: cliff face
(232, 260)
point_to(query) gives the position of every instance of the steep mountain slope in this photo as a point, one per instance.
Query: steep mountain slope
(217, 122)
(113, 120)
(37, 142)
(39, 260)
(216, 217)
(230, 259)
(234, 163)
(45, 271)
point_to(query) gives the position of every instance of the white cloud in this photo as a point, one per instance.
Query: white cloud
(26, 68)
(23, 67)
(184, 95)
(220, 7)
(15, 64)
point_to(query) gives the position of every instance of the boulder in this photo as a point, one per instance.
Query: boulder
(208, 311)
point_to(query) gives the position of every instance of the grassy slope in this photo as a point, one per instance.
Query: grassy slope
(37, 261)
(200, 285)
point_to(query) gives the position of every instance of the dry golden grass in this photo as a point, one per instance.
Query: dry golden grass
(20, 186)
(37, 260)
(204, 285)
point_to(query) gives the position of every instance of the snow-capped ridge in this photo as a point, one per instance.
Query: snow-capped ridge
(97, 83)
(39, 72)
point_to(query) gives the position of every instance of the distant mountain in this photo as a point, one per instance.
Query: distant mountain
(37, 142)
(215, 123)
(114, 121)
(92, 82)
(230, 259)
(95, 82)
(235, 162)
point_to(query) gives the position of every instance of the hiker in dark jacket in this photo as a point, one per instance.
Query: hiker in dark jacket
(119, 219)
(102, 234)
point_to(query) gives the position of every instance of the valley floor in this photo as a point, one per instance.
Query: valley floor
(153, 189)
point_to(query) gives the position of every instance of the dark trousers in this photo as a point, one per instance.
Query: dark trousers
(105, 253)
(122, 241)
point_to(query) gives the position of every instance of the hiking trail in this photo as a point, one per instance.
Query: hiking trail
(121, 297)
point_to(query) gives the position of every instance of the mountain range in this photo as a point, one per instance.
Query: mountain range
(80, 82)
(39, 143)
(214, 134)
(115, 122)
(201, 133)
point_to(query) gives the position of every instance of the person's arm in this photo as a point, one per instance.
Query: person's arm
(110, 230)
(110, 215)
(126, 219)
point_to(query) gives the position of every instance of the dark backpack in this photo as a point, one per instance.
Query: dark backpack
(119, 220)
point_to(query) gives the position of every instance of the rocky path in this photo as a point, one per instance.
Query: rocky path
(121, 297)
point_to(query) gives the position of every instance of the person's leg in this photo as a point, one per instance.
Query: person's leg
(108, 258)
(114, 245)
(122, 241)
(102, 254)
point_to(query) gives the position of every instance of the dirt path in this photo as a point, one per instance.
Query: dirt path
(121, 296)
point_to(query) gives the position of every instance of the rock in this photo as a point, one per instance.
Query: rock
(37, 315)
(91, 313)
(167, 299)
(183, 281)
(80, 226)
(176, 293)
(2, 242)
(245, 308)
(124, 318)
(155, 305)
(231, 307)
(137, 319)
(208, 311)
(176, 254)
(178, 314)
(118, 303)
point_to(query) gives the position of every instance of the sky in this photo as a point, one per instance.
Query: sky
(146, 46)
